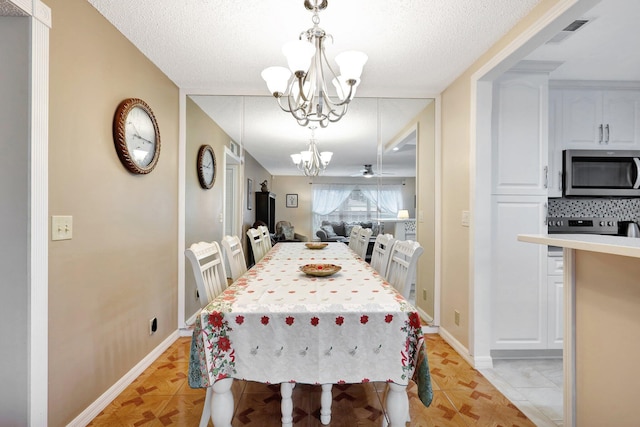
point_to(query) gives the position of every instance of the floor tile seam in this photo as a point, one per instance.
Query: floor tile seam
(455, 407)
(526, 410)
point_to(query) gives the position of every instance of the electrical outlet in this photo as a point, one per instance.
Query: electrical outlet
(456, 317)
(424, 294)
(153, 325)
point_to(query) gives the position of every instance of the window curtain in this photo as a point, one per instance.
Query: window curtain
(328, 197)
(388, 198)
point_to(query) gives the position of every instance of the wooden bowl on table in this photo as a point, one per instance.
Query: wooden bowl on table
(320, 270)
(316, 245)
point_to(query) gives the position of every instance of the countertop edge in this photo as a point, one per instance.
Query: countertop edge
(614, 245)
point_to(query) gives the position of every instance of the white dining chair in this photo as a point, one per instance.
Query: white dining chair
(381, 253)
(353, 237)
(232, 248)
(211, 279)
(208, 269)
(403, 263)
(255, 238)
(266, 238)
(362, 242)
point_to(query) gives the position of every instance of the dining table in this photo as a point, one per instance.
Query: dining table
(278, 325)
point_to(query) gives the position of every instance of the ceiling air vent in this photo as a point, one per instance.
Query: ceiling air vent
(567, 31)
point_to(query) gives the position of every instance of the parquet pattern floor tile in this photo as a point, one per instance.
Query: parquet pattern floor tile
(161, 397)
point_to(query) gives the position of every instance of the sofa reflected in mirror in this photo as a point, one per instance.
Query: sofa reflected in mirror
(285, 232)
(338, 231)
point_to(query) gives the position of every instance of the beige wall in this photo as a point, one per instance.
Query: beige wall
(299, 217)
(455, 137)
(120, 268)
(607, 339)
(203, 208)
(426, 208)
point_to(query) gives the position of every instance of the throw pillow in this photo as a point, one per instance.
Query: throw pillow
(329, 230)
(347, 229)
(338, 228)
(288, 232)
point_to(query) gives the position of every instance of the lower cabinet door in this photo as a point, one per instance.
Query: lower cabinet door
(519, 274)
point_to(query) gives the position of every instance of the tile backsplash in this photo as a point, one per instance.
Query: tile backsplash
(621, 209)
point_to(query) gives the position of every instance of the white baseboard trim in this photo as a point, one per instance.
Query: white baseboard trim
(427, 329)
(476, 362)
(108, 396)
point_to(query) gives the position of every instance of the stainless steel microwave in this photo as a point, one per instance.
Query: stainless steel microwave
(601, 173)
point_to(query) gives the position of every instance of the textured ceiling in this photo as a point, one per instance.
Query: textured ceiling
(9, 9)
(416, 48)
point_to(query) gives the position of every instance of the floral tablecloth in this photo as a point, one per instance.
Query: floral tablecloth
(275, 324)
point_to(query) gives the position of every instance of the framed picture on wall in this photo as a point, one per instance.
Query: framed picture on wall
(292, 201)
(249, 193)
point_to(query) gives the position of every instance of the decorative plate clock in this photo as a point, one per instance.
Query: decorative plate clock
(206, 166)
(136, 136)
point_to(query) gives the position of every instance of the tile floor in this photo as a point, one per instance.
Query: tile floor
(535, 386)
(161, 396)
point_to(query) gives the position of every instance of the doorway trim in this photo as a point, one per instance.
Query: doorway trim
(549, 24)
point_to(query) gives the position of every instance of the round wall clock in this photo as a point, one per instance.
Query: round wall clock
(136, 136)
(206, 166)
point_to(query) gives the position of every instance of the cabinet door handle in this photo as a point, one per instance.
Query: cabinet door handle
(546, 177)
(606, 134)
(560, 181)
(546, 213)
(600, 133)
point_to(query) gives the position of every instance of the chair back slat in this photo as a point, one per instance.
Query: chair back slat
(362, 242)
(255, 237)
(381, 253)
(403, 263)
(353, 238)
(232, 248)
(266, 238)
(208, 269)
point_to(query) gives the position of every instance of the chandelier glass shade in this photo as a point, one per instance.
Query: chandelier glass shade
(302, 89)
(312, 162)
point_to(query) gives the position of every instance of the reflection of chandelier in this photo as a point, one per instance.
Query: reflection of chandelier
(307, 93)
(311, 162)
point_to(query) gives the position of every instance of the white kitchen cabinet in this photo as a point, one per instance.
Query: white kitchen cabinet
(600, 119)
(519, 294)
(520, 133)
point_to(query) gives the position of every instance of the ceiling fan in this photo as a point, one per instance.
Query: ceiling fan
(368, 172)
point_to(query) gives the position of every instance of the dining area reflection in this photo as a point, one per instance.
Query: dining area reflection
(339, 323)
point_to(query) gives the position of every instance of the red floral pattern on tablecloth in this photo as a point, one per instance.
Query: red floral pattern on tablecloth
(336, 323)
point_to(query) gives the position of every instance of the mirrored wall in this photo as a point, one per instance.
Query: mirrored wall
(381, 141)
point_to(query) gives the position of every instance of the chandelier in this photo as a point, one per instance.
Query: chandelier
(306, 94)
(311, 162)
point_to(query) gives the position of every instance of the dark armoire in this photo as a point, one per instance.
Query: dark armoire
(266, 209)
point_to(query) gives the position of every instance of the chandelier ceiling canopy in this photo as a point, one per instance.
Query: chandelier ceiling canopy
(302, 89)
(312, 162)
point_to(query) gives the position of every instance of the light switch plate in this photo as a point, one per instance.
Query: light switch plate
(61, 227)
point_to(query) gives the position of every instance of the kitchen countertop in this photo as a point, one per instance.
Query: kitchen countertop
(615, 245)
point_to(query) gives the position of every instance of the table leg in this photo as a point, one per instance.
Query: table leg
(325, 404)
(286, 406)
(206, 410)
(222, 403)
(397, 404)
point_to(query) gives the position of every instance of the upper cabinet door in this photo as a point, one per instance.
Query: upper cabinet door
(621, 118)
(520, 133)
(582, 118)
(600, 119)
